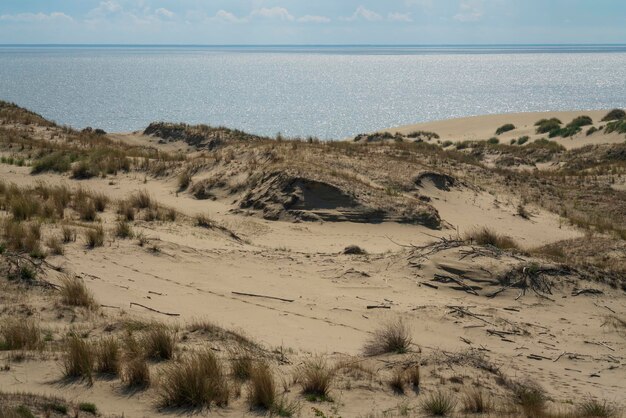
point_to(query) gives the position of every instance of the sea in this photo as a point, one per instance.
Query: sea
(329, 92)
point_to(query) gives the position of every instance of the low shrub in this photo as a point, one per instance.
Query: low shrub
(505, 128)
(545, 126)
(615, 114)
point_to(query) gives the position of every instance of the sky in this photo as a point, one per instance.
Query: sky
(219, 22)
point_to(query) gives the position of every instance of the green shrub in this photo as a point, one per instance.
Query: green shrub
(545, 126)
(88, 407)
(505, 128)
(618, 126)
(522, 140)
(615, 114)
(591, 131)
(58, 162)
(493, 141)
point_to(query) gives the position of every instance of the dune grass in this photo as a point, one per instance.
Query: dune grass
(20, 334)
(262, 394)
(74, 293)
(316, 379)
(486, 236)
(196, 380)
(78, 358)
(392, 337)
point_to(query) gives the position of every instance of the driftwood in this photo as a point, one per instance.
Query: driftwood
(262, 296)
(446, 279)
(153, 310)
(577, 292)
(429, 285)
(601, 344)
(378, 307)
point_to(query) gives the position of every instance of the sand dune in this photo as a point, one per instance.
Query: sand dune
(480, 316)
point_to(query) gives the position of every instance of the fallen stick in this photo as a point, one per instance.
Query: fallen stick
(430, 285)
(153, 310)
(110, 306)
(602, 344)
(378, 307)
(262, 296)
(537, 357)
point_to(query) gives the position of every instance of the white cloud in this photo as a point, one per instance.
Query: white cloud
(313, 19)
(163, 12)
(363, 13)
(469, 11)
(229, 17)
(105, 8)
(399, 17)
(273, 13)
(36, 17)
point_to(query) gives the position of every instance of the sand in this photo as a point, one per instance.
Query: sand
(565, 345)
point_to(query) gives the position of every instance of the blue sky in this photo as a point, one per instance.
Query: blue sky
(312, 21)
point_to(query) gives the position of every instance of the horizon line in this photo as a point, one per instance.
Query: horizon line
(307, 45)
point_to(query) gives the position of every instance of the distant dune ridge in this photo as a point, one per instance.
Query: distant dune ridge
(468, 266)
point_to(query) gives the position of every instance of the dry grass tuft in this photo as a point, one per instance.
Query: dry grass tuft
(75, 293)
(141, 200)
(486, 236)
(107, 356)
(531, 399)
(413, 376)
(476, 401)
(159, 342)
(135, 373)
(20, 335)
(262, 393)
(241, 364)
(598, 409)
(393, 337)
(94, 237)
(439, 404)
(78, 359)
(123, 230)
(195, 381)
(397, 381)
(68, 234)
(316, 378)
(55, 245)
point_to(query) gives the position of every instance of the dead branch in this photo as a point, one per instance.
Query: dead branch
(262, 296)
(153, 310)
